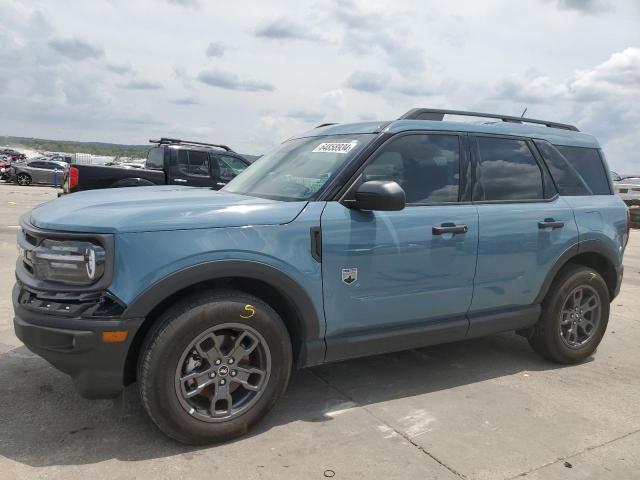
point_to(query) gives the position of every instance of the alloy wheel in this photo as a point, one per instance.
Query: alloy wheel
(223, 372)
(580, 316)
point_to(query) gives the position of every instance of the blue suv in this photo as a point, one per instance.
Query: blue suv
(349, 240)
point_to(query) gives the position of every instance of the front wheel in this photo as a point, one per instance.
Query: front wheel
(214, 366)
(574, 318)
(23, 179)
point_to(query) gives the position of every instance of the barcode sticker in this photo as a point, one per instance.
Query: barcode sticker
(334, 147)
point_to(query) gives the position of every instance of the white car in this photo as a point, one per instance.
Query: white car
(628, 188)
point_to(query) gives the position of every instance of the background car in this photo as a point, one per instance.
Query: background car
(39, 171)
(628, 188)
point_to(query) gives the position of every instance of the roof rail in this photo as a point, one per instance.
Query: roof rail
(325, 125)
(438, 114)
(176, 141)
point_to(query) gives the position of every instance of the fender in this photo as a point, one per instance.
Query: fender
(313, 347)
(589, 246)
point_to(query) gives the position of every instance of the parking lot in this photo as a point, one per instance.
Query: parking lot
(481, 409)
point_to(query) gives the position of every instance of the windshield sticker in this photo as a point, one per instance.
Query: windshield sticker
(335, 147)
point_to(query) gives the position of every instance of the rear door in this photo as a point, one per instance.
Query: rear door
(525, 226)
(192, 168)
(38, 172)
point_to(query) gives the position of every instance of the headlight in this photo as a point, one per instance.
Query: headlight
(68, 261)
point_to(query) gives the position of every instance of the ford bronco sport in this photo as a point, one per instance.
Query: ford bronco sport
(349, 240)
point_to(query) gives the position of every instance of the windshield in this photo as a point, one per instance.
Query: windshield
(299, 168)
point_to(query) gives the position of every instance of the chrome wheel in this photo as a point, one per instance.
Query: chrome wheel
(223, 372)
(580, 316)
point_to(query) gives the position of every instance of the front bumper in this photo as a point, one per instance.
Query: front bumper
(74, 346)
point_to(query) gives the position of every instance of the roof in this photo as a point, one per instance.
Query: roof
(557, 136)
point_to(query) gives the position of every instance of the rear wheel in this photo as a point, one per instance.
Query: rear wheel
(574, 317)
(214, 366)
(23, 179)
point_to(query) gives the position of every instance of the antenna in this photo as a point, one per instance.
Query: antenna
(523, 112)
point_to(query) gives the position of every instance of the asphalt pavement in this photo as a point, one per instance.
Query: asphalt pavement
(487, 408)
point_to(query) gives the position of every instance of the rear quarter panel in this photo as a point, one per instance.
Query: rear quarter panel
(603, 219)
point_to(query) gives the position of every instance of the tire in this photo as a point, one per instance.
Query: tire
(23, 179)
(572, 340)
(206, 323)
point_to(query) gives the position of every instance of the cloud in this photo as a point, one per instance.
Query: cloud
(617, 78)
(308, 116)
(619, 75)
(185, 3)
(372, 82)
(584, 6)
(531, 88)
(367, 81)
(215, 49)
(140, 85)
(184, 101)
(334, 99)
(287, 29)
(75, 48)
(374, 33)
(230, 81)
(119, 69)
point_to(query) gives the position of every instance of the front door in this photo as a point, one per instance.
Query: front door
(226, 168)
(397, 280)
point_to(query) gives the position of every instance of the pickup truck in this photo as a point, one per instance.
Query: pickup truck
(170, 161)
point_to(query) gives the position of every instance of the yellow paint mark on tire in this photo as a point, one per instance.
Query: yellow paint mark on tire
(251, 311)
(593, 275)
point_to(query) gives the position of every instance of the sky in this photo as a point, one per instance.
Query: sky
(251, 74)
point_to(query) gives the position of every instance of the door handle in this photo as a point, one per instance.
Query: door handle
(179, 180)
(221, 184)
(550, 223)
(449, 228)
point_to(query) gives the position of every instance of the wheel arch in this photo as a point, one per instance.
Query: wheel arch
(271, 285)
(592, 254)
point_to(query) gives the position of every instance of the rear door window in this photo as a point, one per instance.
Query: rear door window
(507, 171)
(588, 163)
(199, 164)
(194, 163)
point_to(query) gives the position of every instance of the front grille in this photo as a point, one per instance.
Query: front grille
(101, 305)
(30, 238)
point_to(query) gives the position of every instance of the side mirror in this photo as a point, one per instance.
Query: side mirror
(379, 195)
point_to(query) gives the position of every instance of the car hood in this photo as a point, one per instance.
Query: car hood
(144, 209)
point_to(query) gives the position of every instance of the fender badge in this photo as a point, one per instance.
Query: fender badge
(349, 275)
